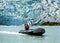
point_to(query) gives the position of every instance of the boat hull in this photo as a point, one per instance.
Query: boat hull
(38, 31)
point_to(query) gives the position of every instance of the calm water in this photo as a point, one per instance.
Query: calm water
(9, 34)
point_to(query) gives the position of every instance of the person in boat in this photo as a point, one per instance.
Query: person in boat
(26, 27)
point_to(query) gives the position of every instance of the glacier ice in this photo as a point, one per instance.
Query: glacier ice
(14, 12)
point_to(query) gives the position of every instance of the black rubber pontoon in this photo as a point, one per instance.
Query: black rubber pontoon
(37, 31)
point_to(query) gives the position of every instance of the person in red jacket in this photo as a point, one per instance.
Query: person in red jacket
(26, 27)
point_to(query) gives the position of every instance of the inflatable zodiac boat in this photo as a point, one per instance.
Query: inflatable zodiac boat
(37, 31)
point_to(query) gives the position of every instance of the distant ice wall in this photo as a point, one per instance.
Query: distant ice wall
(26, 10)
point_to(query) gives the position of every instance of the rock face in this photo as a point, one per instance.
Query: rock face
(27, 10)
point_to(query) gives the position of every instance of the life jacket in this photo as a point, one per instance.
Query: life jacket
(26, 27)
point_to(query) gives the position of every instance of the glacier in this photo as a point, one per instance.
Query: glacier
(18, 12)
